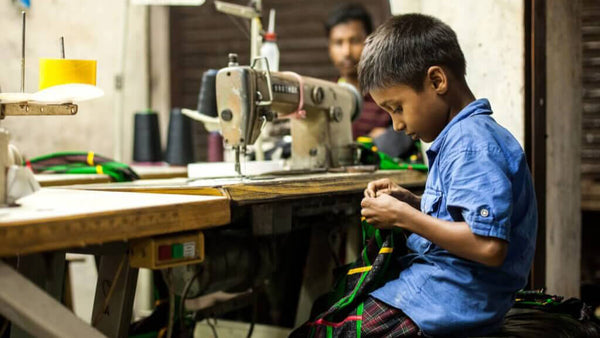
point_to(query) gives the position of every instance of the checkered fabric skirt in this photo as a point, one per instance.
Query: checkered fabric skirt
(351, 312)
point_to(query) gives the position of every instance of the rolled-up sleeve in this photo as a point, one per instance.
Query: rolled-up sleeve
(478, 188)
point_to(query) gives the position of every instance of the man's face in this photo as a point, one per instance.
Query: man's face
(346, 42)
(422, 115)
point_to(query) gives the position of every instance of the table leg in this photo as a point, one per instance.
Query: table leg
(115, 292)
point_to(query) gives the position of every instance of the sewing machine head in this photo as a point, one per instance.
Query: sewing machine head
(320, 113)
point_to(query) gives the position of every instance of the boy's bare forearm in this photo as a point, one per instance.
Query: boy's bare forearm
(457, 238)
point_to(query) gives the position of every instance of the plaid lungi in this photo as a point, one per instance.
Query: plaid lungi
(351, 312)
(382, 320)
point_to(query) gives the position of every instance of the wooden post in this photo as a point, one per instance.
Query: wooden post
(564, 109)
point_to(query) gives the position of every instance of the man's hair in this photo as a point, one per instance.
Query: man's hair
(348, 12)
(402, 49)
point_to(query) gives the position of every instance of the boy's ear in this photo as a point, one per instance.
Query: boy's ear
(438, 79)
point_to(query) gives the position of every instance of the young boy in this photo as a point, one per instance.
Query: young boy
(473, 238)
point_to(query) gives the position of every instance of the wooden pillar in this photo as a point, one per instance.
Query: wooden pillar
(535, 125)
(563, 125)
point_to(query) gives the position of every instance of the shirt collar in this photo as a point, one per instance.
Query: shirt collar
(477, 107)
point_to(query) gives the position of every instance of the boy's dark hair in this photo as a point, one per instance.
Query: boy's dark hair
(348, 12)
(404, 47)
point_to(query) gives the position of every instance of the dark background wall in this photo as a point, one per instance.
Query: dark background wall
(590, 160)
(201, 38)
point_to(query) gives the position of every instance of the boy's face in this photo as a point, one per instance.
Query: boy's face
(346, 42)
(421, 114)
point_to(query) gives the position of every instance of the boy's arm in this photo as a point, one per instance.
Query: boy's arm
(456, 237)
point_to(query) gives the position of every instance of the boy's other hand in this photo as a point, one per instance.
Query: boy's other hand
(385, 186)
(381, 186)
(384, 211)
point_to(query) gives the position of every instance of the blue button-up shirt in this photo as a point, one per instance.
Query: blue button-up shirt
(479, 175)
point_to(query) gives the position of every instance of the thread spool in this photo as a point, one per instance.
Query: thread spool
(179, 139)
(215, 147)
(207, 97)
(63, 71)
(146, 137)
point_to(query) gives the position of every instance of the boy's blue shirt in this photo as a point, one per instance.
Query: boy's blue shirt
(478, 174)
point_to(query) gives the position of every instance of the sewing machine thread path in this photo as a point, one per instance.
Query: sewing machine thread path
(320, 113)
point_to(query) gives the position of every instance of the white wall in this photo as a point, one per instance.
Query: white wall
(491, 35)
(93, 30)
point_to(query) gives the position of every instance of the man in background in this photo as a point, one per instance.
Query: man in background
(347, 27)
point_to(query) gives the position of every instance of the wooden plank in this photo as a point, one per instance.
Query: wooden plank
(30, 308)
(54, 219)
(316, 185)
(276, 188)
(155, 172)
(55, 180)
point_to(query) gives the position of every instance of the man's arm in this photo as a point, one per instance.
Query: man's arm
(456, 237)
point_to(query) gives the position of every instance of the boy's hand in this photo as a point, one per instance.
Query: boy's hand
(385, 186)
(385, 211)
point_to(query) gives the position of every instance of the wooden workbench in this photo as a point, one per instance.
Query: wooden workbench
(53, 219)
(46, 224)
(268, 188)
(60, 219)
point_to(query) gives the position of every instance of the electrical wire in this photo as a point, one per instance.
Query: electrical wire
(184, 294)
(168, 278)
(253, 317)
(4, 327)
(212, 326)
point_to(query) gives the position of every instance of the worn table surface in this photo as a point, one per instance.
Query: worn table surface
(53, 219)
(269, 188)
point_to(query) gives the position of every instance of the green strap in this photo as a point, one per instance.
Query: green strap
(363, 227)
(365, 234)
(57, 154)
(329, 331)
(378, 238)
(366, 257)
(359, 312)
(348, 299)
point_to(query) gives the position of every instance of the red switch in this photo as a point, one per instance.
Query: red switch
(164, 252)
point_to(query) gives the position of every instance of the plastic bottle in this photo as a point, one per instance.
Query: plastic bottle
(269, 48)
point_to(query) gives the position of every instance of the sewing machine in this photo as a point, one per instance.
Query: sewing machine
(320, 111)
